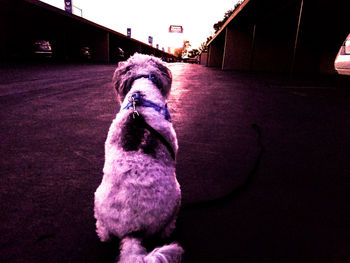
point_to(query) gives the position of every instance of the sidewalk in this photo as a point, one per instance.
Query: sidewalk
(263, 165)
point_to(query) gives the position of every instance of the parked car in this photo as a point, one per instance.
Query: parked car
(119, 55)
(194, 60)
(342, 61)
(85, 53)
(42, 49)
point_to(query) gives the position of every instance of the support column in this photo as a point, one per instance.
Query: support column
(296, 37)
(101, 47)
(237, 51)
(215, 55)
(252, 49)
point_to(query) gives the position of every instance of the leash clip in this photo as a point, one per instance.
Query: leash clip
(137, 100)
(135, 112)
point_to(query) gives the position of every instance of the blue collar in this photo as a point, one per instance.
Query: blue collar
(151, 77)
(136, 99)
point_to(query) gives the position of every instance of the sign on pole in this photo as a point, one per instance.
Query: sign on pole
(176, 29)
(68, 6)
(128, 32)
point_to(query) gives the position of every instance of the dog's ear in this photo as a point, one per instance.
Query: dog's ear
(124, 75)
(117, 73)
(164, 79)
(121, 82)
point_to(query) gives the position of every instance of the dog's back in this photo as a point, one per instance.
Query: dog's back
(139, 195)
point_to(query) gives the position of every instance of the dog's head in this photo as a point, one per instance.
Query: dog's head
(139, 65)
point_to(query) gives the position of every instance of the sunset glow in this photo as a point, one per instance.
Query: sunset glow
(153, 18)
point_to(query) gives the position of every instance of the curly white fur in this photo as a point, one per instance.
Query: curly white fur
(139, 195)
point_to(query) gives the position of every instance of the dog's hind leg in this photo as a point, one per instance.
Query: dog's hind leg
(102, 231)
(170, 225)
(132, 251)
(168, 229)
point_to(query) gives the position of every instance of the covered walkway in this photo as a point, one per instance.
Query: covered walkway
(301, 36)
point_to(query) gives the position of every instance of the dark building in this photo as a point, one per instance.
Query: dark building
(300, 36)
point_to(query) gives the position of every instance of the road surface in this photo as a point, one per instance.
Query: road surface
(263, 165)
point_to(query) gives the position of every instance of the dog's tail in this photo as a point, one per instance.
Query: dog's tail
(133, 252)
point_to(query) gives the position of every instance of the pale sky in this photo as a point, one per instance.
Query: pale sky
(153, 18)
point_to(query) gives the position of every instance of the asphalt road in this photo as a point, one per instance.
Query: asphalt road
(263, 164)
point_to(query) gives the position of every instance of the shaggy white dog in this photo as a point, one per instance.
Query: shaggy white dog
(139, 195)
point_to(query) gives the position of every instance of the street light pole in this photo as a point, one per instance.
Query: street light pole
(296, 38)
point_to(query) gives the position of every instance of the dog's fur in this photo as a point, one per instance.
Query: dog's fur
(139, 195)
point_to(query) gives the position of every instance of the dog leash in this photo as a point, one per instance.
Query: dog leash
(136, 99)
(160, 137)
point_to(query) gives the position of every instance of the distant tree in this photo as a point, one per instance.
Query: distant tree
(178, 52)
(227, 15)
(186, 46)
(193, 53)
(209, 38)
(220, 23)
(182, 51)
(204, 45)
